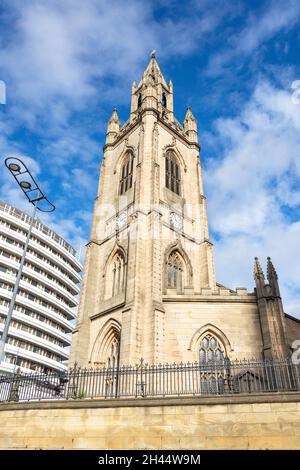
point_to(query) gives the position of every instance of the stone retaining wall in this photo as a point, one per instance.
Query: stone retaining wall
(240, 422)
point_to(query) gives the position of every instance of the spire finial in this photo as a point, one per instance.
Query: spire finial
(153, 54)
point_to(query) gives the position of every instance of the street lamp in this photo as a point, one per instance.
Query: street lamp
(37, 198)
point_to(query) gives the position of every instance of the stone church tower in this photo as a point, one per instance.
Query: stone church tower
(149, 287)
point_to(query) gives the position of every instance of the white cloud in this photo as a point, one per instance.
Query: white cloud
(67, 49)
(279, 16)
(254, 190)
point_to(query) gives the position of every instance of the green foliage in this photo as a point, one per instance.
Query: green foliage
(81, 395)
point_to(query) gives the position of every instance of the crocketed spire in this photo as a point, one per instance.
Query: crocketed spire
(190, 125)
(113, 127)
(152, 73)
(271, 273)
(258, 272)
(272, 278)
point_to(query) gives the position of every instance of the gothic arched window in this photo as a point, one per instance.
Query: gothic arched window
(112, 365)
(118, 268)
(126, 173)
(211, 350)
(113, 352)
(164, 100)
(174, 271)
(172, 173)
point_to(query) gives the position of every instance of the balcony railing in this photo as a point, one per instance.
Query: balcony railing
(162, 380)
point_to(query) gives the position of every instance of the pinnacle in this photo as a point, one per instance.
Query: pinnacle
(189, 115)
(258, 272)
(114, 116)
(271, 270)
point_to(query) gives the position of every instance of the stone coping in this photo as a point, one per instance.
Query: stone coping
(272, 397)
(212, 297)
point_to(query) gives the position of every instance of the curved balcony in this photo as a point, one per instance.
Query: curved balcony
(47, 282)
(37, 341)
(59, 248)
(16, 250)
(51, 257)
(42, 233)
(64, 337)
(40, 294)
(31, 356)
(51, 284)
(24, 302)
(55, 272)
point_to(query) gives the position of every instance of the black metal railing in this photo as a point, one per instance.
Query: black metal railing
(142, 380)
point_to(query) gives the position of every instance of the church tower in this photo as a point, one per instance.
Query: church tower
(149, 288)
(149, 235)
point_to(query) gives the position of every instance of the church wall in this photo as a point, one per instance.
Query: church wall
(249, 422)
(237, 320)
(292, 330)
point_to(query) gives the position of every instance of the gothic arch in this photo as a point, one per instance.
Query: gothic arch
(117, 247)
(129, 154)
(172, 148)
(117, 259)
(119, 163)
(188, 270)
(109, 335)
(214, 331)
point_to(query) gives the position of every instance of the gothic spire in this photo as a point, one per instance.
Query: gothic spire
(114, 117)
(113, 127)
(152, 73)
(258, 272)
(190, 125)
(259, 279)
(189, 115)
(271, 273)
(272, 278)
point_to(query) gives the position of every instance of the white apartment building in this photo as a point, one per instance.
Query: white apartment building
(46, 306)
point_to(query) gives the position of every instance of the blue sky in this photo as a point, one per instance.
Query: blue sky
(67, 64)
